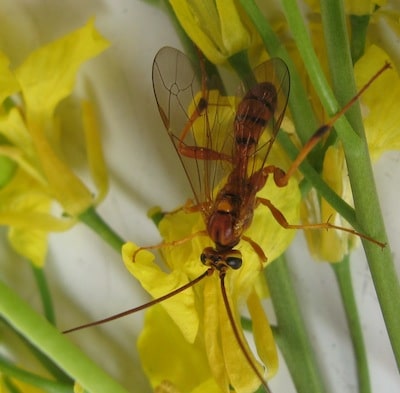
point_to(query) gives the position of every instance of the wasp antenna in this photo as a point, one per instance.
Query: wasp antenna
(237, 335)
(143, 306)
(349, 104)
(326, 128)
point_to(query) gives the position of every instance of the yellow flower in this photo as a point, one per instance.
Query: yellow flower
(196, 319)
(30, 132)
(331, 245)
(218, 27)
(380, 111)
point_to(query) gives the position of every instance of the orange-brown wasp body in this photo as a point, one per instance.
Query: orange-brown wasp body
(233, 155)
(225, 161)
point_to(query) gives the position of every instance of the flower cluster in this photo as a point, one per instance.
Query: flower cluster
(188, 341)
(34, 171)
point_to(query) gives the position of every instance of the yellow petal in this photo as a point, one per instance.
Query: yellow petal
(382, 117)
(240, 373)
(63, 184)
(263, 336)
(193, 26)
(33, 220)
(31, 244)
(184, 257)
(46, 77)
(95, 154)
(334, 243)
(234, 34)
(209, 386)
(13, 128)
(48, 74)
(331, 245)
(20, 149)
(166, 355)
(180, 307)
(25, 208)
(211, 332)
(8, 83)
(17, 156)
(326, 245)
(215, 27)
(26, 204)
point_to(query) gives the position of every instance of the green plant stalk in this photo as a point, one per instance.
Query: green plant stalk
(359, 26)
(368, 212)
(44, 292)
(343, 277)
(315, 71)
(7, 368)
(291, 333)
(240, 63)
(341, 68)
(47, 363)
(53, 344)
(92, 219)
(364, 192)
(333, 21)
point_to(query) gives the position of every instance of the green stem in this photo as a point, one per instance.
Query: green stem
(240, 63)
(7, 368)
(339, 58)
(367, 208)
(292, 337)
(366, 202)
(56, 346)
(44, 292)
(95, 222)
(359, 26)
(47, 363)
(343, 277)
(315, 72)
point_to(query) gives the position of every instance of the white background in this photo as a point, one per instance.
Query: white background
(88, 279)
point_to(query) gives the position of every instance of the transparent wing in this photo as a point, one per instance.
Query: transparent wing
(275, 71)
(197, 121)
(203, 124)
